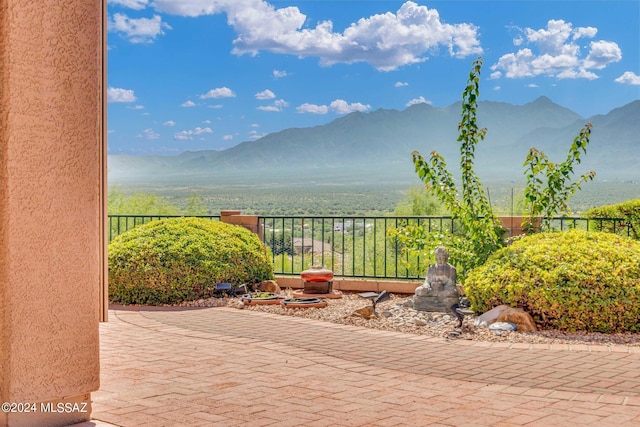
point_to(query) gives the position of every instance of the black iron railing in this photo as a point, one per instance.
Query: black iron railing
(356, 247)
(350, 246)
(118, 224)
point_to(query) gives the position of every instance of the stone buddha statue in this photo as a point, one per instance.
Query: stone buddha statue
(439, 292)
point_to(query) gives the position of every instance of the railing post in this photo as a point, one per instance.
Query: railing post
(513, 224)
(250, 222)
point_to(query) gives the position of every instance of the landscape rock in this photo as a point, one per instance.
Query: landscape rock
(401, 319)
(485, 319)
(520, 318)
(506, 314)
(364, 312)
(502, 326)
(267, 286)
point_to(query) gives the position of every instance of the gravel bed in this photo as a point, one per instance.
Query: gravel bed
(393, 315)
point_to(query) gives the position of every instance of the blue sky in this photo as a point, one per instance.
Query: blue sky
(210, 74)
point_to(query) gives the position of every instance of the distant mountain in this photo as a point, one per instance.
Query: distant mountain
(378, 146)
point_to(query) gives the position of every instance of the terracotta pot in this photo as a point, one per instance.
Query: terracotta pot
(317, 273)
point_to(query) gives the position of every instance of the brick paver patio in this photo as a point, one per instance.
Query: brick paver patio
(228, 367)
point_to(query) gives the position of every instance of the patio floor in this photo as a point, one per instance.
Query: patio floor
(229, 367)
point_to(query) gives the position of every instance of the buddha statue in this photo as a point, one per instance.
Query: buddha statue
(438, 292)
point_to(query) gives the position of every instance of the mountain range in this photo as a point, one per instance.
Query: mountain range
(377, 147)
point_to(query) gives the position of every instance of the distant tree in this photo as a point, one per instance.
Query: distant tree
(122, 203)
(195, 205)
(419, 202)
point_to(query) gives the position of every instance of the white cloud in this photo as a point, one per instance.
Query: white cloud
(401, 84)
(138, 107)
(215, 106)
(254, 125)
(386, 41)
(279, 74)
(418, 100)
(206, 122)
(497, 88)
(169, 123)
(532, 85)
(588, 32)
(219, 92)
(265, 94)
(628, 78)
(141, 30)
(255, 134)
(192, 8)
(189, 134)
(271, 108)
(341, 106)
(312, 108)
(227, 137)
(116, 94)
(338, 106)
(553, 51)
(149, 134)
(577, 74)
(278, 105)
(131, 4)
(601, 54)
(188, 104)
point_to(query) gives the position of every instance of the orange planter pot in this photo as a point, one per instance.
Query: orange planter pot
(317, 273)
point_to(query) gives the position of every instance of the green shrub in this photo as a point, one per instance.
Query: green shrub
(182, 259)
(628, 212)
(572, 280)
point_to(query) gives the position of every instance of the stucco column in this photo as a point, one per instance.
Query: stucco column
(51, 178)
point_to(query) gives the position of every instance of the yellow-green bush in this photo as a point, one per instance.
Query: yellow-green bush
(182, 259)
(573, 281)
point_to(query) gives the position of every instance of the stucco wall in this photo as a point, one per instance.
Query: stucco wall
(50, 207)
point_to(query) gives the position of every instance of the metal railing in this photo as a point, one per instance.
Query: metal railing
(618, 226)
(350, 246)
(356, 247)
(118, 224)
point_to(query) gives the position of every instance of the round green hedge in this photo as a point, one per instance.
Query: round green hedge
(182, 259)
(572, 281)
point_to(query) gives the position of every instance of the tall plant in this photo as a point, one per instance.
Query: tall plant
(480, 230)
(549, 185)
